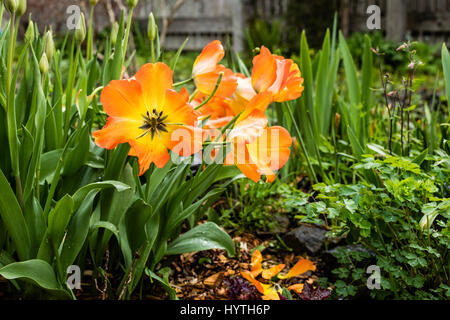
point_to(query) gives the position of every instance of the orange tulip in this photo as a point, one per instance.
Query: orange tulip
(147, 113)
(243, 95)
(207, 69)
(217, 110)
(256, 149)
(222, 110)
(276, 75)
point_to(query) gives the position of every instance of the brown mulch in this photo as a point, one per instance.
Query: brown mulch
(199, 276)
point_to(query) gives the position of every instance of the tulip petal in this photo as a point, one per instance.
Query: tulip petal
(183, 140)
(250, 171)
(264, 70)
(155, 79)
(272, 148)
(271, 296)
(210, 56)
(116, 131)
(177, 109)
(150, 150)
(256, 263)
(300, 267)
(123, 99)
(259, 102)
(249, 128)
(249, 277)
(292, 87)
(273, 271)
(297, 288)
(217, 123)
(206, 82)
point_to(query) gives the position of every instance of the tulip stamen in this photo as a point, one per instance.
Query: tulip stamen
(153, 123)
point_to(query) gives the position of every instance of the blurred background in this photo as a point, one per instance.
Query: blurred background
(276, 23)
(243, 25)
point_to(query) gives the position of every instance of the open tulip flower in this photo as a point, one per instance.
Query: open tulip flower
(206, 72)
(145, 111)
(271, 291)
(217, 111)
(276, 75)
(256, 149)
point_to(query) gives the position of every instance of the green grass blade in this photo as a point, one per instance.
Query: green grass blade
(321, 108)
(351, 74)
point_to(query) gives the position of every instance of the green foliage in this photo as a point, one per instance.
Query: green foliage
(63, 200)
(242, 210)
(413, 255)
(395, 62)
(262, 33)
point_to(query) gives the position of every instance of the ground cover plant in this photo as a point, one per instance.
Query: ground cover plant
(173, 175)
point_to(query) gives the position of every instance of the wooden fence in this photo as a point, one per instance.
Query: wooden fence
(205, 20)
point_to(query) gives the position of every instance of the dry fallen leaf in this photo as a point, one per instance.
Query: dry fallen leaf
(214, 280)
(222, 258)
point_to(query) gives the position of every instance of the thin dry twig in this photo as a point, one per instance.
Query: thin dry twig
(130, 273)
(105, 286)
(105, 283)
(167, 20)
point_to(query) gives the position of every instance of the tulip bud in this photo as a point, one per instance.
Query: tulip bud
(11, 5)
(152, 27)
(21, 8)
(114, 32)
(80, 32)
(29, 34)
(93, 2)
(337, 120)
(43, 64)
(49, 44)
(132, 3)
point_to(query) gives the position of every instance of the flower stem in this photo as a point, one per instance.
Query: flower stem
(152, 50)
(10, 107)
(192, 97)
(90, 39)
(181, 83)
(127, 35)
(212, 93)
(2, 9)
(302, 143)
(9, 62)
(69, 95)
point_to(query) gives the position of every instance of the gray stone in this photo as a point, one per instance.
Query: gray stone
(309, 238)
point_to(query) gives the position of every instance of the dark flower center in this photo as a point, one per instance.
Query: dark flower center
(153, 123)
